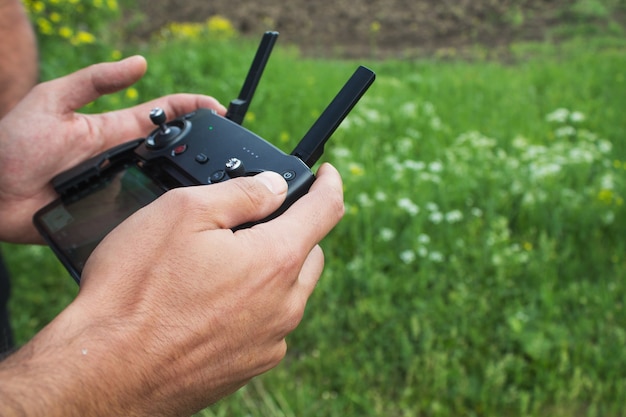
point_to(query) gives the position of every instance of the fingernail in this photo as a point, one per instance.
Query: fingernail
(273, 181)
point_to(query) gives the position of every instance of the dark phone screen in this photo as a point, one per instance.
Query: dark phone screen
(75, 226)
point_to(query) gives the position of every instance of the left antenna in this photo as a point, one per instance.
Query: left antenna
(239, 106)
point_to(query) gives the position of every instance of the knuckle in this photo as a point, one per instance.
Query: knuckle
(337, 205)
(290, 259)
(183, 198)
(278, 353)
(293, 316)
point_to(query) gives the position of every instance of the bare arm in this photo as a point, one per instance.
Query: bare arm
(185, 315)
(18, 50)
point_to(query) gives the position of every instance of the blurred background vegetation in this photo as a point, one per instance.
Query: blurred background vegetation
(479, 269)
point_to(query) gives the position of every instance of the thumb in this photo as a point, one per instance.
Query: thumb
(231, 203)
(88, 84)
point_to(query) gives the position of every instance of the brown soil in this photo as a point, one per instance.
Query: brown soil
(347, 28)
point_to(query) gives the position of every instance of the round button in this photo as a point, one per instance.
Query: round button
(289, 175)
(202, 158)
(217, 176)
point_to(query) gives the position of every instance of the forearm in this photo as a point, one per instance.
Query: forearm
(18, 49)
(57, 374)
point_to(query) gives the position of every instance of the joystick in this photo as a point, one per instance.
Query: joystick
(199, 148)
(165, 134)
(157, 115)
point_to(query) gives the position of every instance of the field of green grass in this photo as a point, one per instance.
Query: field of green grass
(480, 267)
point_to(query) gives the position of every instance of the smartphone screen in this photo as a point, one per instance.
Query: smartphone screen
(74, 227)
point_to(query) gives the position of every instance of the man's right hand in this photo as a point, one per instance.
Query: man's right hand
(175, 310)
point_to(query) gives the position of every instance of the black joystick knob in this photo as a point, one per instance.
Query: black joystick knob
(234, 168)
(165, 133)
(158, 117)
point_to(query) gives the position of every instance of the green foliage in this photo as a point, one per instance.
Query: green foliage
(591, 17)
(479, 267)
(40, 288)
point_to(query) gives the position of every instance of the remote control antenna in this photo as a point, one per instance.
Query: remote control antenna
(311, 147)
(239, 106)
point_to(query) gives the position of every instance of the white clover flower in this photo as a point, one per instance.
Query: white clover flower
(387, 234)
(436, 217)
(409, 109)
(578, 155)
(520, 142)
(608, 218)
(607, 182)
(341, 152)
(364, 200)
(435, 167)
(380, 196)
(435, 123)
(436, 256)
(407, 256)
(454, 216)
(392, 161)
(423, 238)
(426, 177)
(605, 146)
(565, 131)
(373, 116)
(355, 264)
(346, 124)
(534, 151)
(432, 206)
(476, 212)
(428, 108)
(409, 206)
(414, 165)
(405, 145)
(413, 133)
(540, 171)
(576, 117)
(559, 115)
(352, 121)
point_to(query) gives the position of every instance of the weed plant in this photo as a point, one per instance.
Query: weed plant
(479, 269)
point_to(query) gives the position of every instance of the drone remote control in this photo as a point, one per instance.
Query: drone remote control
(198, 148)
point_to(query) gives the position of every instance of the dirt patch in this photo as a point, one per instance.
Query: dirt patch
(357, 28)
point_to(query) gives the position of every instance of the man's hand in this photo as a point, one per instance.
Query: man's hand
(175, 310)
(44, 135)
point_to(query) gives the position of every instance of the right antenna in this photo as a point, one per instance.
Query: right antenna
(239, 106)
(311, 147)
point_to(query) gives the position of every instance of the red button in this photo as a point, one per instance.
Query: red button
(179, 149)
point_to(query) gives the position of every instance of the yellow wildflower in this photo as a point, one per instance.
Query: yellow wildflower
(605, 196)
(132, 93)
(220, 26)
(66, 32)
(83, 38)
(356, 170)
(250, 117)
(116, 55)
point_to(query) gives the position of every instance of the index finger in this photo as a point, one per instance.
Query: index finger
(135, 122)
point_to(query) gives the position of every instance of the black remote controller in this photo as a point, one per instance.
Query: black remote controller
(196, 149)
